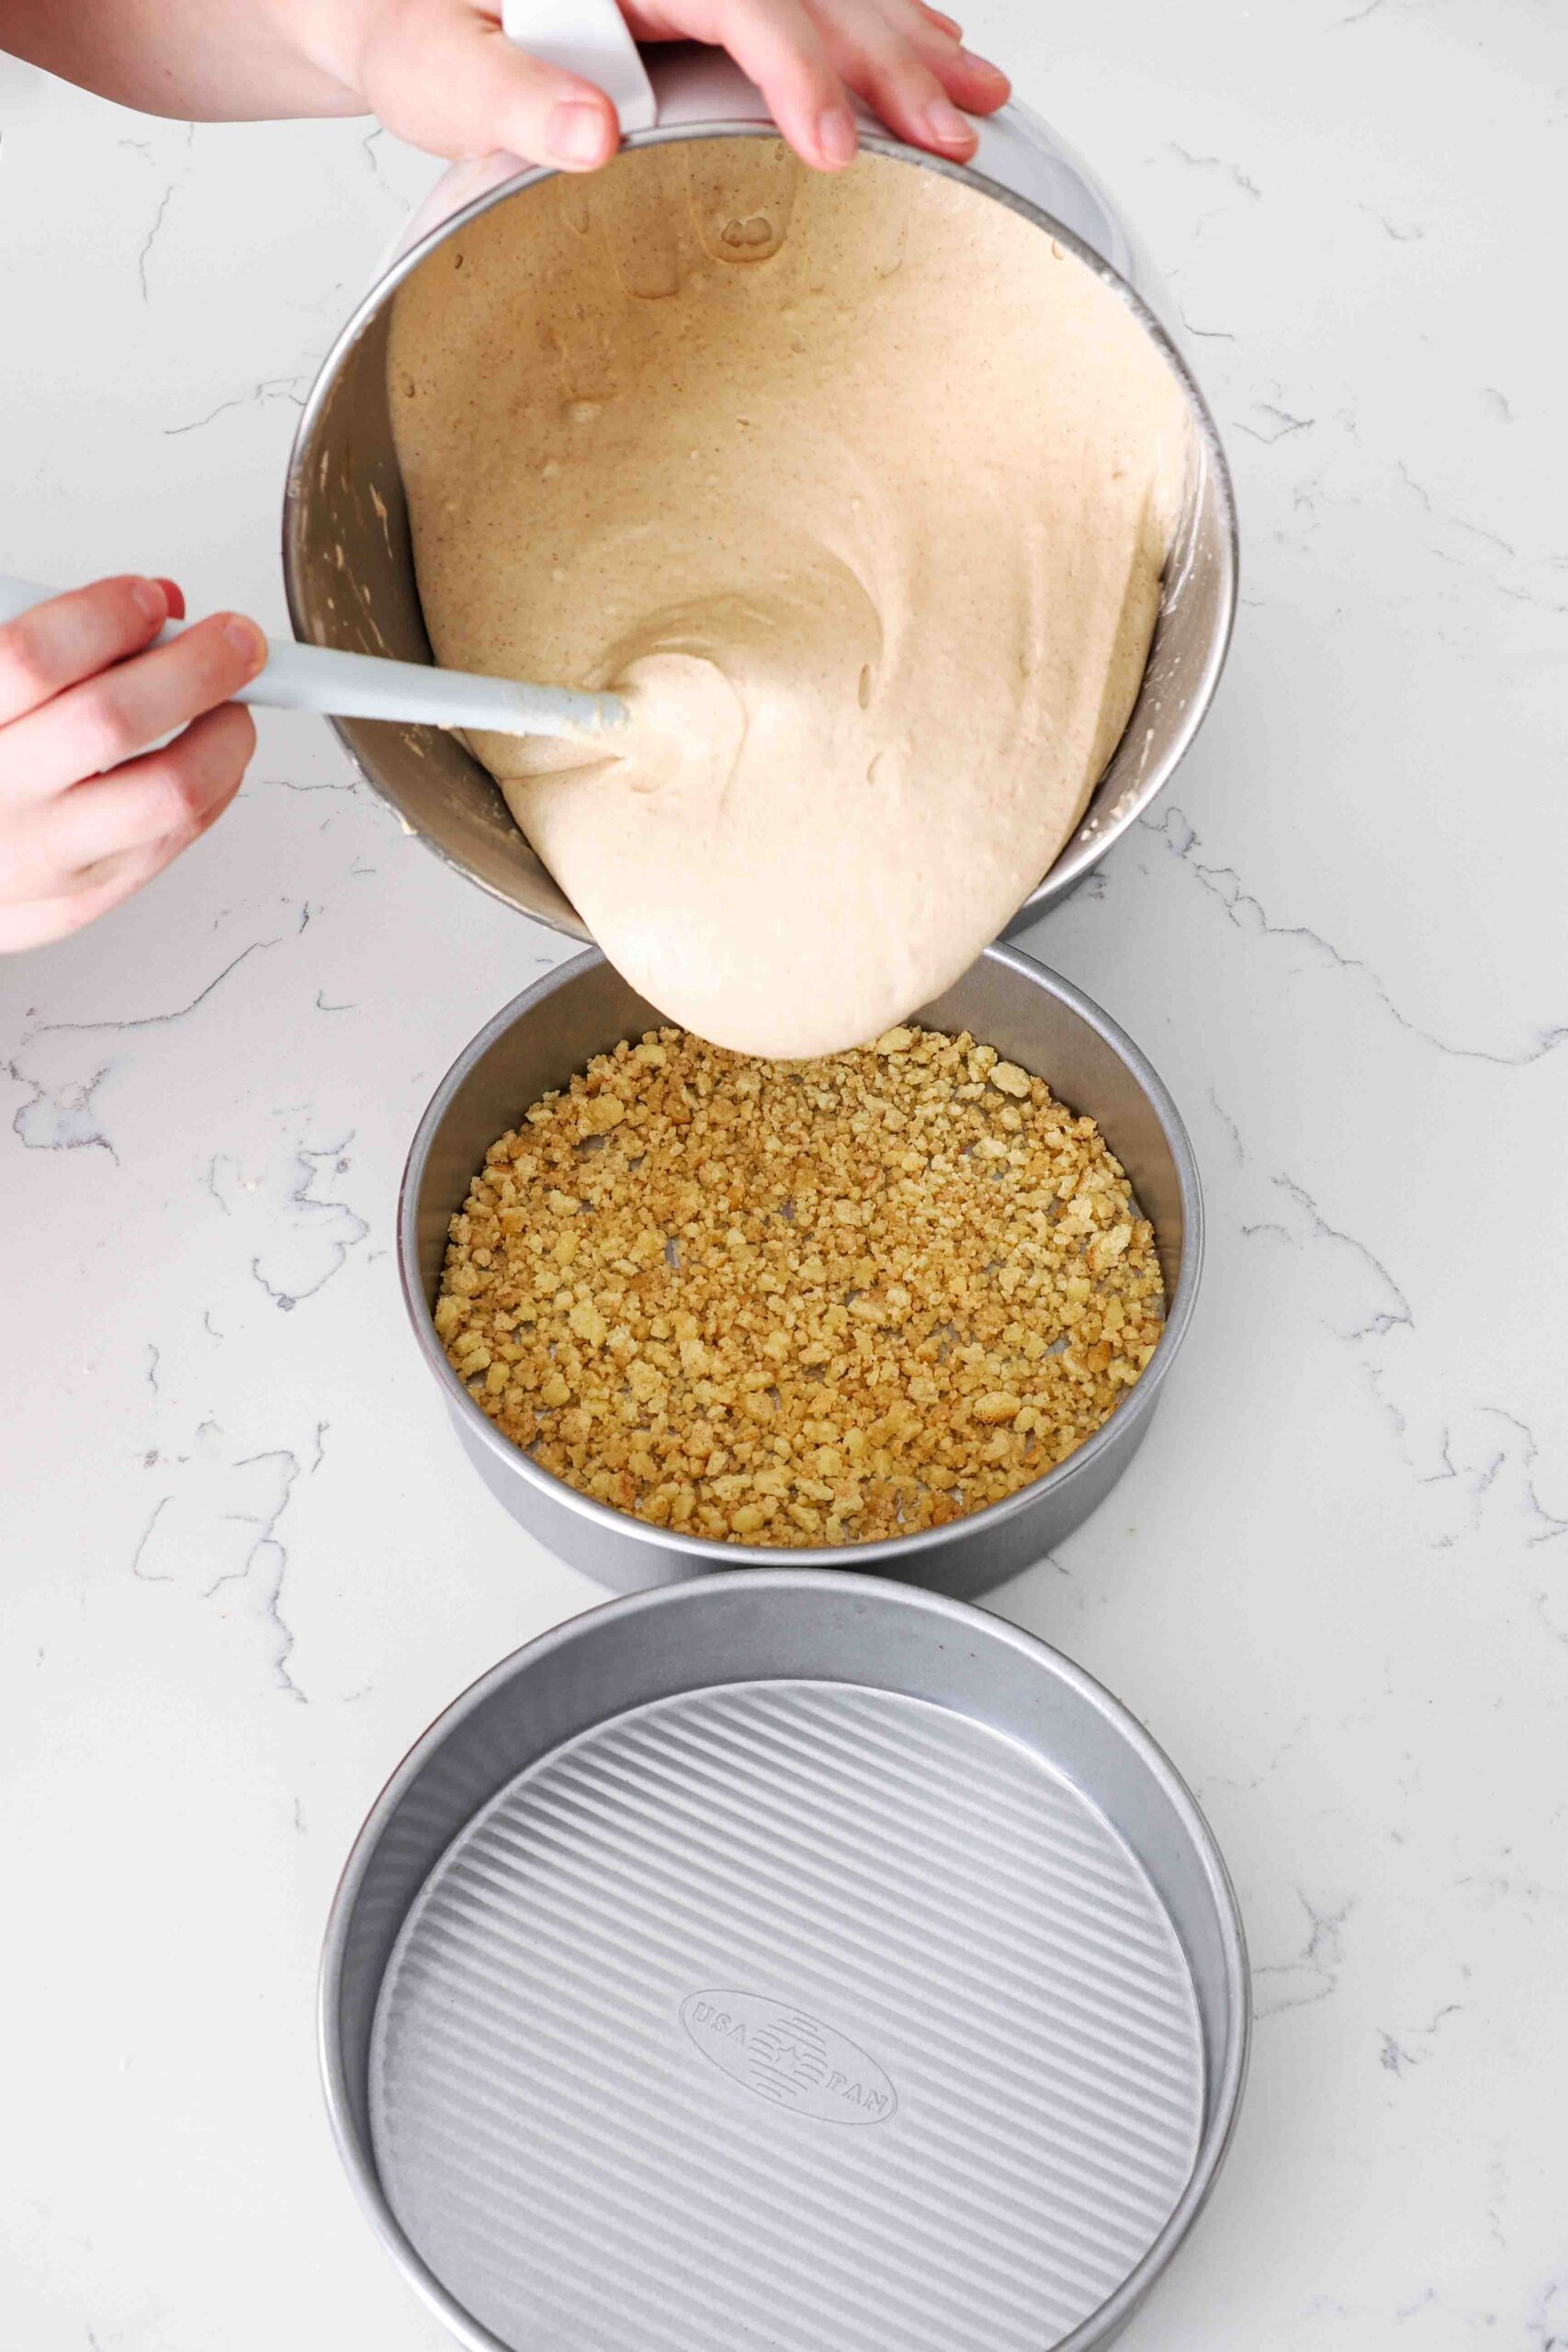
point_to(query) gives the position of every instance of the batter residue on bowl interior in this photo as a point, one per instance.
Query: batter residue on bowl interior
(859, 488)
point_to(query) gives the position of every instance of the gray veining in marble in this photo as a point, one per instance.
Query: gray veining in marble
(244, 1563)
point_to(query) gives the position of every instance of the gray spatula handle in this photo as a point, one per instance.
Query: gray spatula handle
(361, 686)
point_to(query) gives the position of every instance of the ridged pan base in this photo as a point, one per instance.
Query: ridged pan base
(792, 2015)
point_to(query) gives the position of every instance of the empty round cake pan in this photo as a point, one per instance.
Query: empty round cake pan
(1033, 1018)
(784, 1959)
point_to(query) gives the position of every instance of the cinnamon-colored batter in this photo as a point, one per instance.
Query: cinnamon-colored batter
(859, 489)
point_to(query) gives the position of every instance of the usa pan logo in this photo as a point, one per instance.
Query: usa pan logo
(788, 2058)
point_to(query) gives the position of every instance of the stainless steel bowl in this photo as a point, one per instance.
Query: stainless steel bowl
(1007, 1001)
(348, 564)
(789, 1959)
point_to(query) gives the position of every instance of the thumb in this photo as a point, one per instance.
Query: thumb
(449, 81)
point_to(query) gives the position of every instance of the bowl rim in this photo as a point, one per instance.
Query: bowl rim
(1224, 2090)
(889, 1555)
(1090, 837)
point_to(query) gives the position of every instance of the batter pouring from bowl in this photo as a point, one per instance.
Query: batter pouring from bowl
(859, 489)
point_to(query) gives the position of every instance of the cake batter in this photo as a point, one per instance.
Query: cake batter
(859, 489)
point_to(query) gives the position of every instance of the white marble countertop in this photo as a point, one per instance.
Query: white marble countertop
(244, 1563)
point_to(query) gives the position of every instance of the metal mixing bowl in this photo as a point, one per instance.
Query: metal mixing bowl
(348, 564)
(1006, 1000)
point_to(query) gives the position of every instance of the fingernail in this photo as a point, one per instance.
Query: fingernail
(149, 599)
(837, 138)
(172, 598)
(246, 638)
(983, 65)
(576, 135)
(947, 126)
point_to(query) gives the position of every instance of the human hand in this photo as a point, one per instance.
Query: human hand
(442, 75)
(83, 821)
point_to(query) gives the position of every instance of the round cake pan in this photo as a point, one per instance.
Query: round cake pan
(348, 562)
(784, 1959)
(1006, 1000)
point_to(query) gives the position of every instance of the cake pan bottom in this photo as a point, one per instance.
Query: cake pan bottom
(789, 1960)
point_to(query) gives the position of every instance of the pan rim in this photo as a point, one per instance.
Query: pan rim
(812, 1589)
